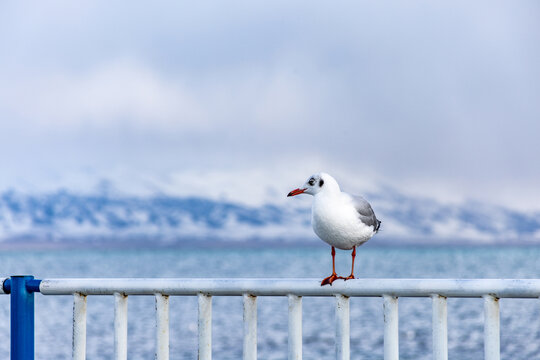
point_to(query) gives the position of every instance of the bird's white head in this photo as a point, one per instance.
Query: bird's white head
(317, 183)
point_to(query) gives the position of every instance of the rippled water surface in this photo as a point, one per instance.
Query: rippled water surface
(520, 319)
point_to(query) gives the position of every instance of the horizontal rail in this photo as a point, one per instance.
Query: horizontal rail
(498, 288)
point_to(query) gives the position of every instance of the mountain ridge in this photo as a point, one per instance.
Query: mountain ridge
(65, 216)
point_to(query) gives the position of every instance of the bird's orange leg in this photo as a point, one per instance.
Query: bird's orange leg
(352, 269)
(331, 278)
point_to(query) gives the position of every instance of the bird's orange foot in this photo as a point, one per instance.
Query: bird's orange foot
(348, 277)
(329, 280)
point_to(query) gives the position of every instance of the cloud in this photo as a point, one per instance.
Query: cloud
(429, 97)
(117, 92)
(136, 96)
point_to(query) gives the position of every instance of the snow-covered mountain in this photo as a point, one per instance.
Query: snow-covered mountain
(66, 216)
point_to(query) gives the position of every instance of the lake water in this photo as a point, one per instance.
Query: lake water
(520, 318)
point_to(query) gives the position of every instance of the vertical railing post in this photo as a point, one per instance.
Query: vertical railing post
(79, 327)
(162, 326)
(295, 327)
(492, 340)
(250, 327)
(205, 327)
(440, 327)
(120, 326)
(343, 333)
(391, 327)
(22, 318)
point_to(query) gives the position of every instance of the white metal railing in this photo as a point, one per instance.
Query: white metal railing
(389, 289)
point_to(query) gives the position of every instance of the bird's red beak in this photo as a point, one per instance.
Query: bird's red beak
(296, 192)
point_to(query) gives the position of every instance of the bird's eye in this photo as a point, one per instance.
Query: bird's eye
(321, 183)
(311, 182)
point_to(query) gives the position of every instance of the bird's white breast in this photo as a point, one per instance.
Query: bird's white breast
(336, 221)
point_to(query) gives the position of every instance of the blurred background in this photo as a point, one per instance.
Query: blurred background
(236, 104)
(175, 130)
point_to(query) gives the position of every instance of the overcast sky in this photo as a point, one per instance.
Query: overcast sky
(441, 99)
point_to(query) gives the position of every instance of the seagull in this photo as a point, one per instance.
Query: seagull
(342, 220)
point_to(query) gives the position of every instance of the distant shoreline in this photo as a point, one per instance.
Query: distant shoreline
(148, 244)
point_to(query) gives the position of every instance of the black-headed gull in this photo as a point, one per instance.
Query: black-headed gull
(342, 220)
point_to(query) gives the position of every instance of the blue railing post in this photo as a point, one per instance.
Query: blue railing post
(22, 290)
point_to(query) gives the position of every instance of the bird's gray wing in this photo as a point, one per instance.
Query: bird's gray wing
(365, 212)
